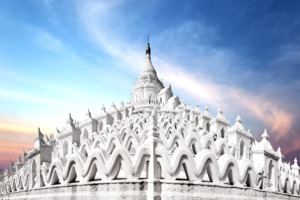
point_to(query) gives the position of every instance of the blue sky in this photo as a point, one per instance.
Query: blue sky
(60, 57)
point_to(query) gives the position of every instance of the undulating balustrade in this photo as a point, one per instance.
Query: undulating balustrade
(182, 146)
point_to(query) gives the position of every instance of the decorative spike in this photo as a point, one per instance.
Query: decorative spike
(220, 110)
(182, 103)
(40, 135)
(265, 135)
(188, 105)
(70, 120)
(279, 149)
(197, 108)
(113, 105)
(103, 108)
(88, 114)
(238, 119)
(148, 49)
(206, 110)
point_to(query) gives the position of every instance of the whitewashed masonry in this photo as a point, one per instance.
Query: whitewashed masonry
(154, 138)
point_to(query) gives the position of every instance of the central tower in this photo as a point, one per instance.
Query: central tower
(147, 88)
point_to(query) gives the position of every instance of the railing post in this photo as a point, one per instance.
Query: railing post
(154, 170)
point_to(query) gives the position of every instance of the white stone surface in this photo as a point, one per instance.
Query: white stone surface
(156, 140)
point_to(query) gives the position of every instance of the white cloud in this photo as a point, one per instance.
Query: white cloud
(97, 21)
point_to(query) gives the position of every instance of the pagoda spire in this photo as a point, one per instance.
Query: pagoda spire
(148, 49)
(148, 69)
(147, 85)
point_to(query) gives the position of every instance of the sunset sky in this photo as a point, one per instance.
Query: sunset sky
(61, 57)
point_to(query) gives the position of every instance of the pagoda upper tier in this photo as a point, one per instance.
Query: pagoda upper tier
(149, 91)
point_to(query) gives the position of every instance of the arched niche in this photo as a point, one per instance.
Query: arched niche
(271, 172)
(65, 148)
(207, 126)
(222, 133)
(85, 134)
(242, 149)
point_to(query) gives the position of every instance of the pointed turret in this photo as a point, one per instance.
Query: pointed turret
(296, 162)
(265, 145)
(265, 135)
(113, 106)
(238, 119)
(295, 168)
(206, 111)
(219, 124)
(24, 155)
(70, 119)
(122, 104)
(221, 117)
(18, 164)
(40, 135)
(197, 108)
(39, 140)
(70, 123)
(220, 111)
(103, 109)
(238, 126)
(280, 154)
(88, 114)
(47, 138)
